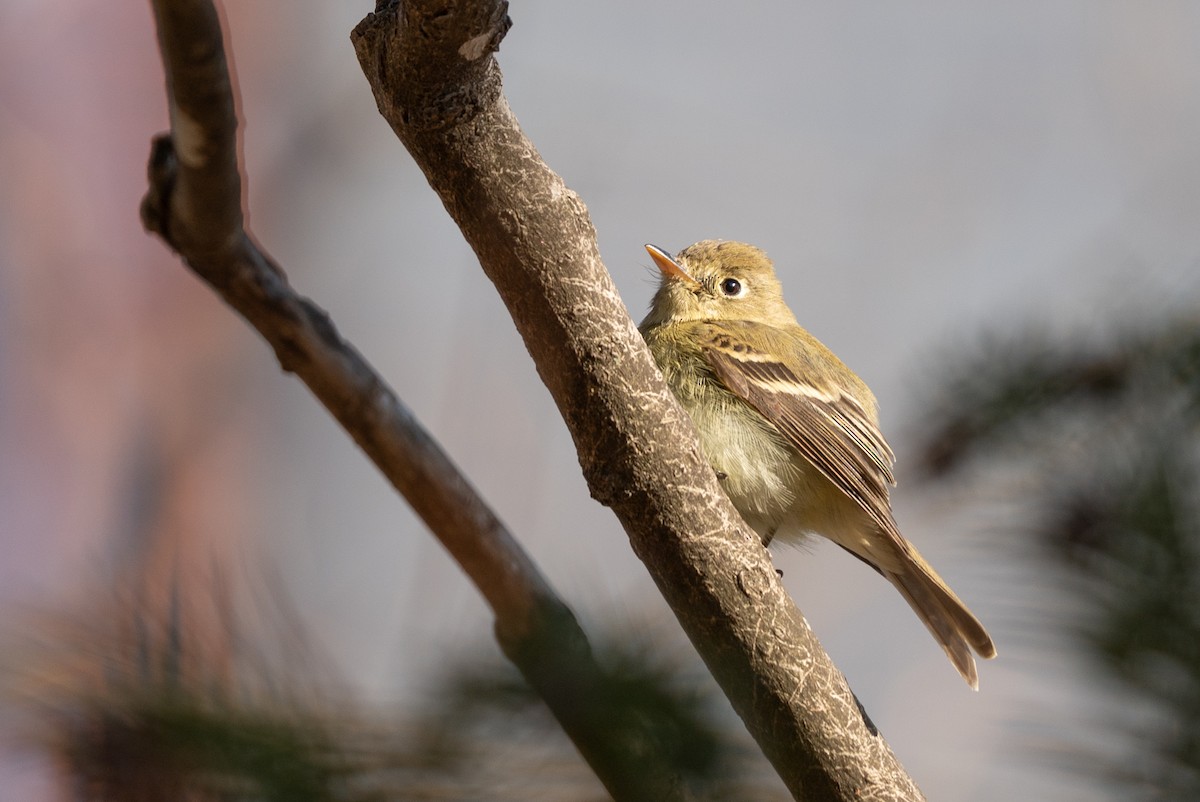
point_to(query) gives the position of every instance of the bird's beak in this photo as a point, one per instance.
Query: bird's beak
(669, 267)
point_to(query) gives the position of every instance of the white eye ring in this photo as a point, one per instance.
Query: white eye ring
(732, 288)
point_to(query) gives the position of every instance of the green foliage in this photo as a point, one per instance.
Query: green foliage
(1109, 439)
(682, 711)
(156, 744)
(157, 706)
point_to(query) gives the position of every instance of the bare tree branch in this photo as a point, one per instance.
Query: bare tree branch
(430, 66)
(194, 204)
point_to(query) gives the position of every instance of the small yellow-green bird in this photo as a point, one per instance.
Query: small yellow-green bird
(791, 432)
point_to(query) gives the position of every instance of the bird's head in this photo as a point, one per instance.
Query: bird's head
(717, 280)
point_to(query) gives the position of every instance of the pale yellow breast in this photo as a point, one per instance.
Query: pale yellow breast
(776, 490)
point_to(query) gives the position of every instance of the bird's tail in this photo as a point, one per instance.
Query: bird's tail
(952, 624)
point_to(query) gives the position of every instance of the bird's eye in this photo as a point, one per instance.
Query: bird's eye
(731, 287)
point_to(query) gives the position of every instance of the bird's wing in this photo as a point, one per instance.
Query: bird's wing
(828, 426)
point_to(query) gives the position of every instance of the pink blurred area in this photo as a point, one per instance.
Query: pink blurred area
(115, 358)
(128, 433)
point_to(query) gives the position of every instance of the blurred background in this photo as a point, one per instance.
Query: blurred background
(968, 202)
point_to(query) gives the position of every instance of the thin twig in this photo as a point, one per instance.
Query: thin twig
(194, 204)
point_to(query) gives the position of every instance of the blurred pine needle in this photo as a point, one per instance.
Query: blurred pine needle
(1107, 436)
(176, 696)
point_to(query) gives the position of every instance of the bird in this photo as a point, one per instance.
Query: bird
(791, 432)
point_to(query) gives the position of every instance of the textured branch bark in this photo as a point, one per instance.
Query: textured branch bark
(194, 204)
(430, 66)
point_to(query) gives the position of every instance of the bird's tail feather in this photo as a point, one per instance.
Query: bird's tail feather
(943, 613)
